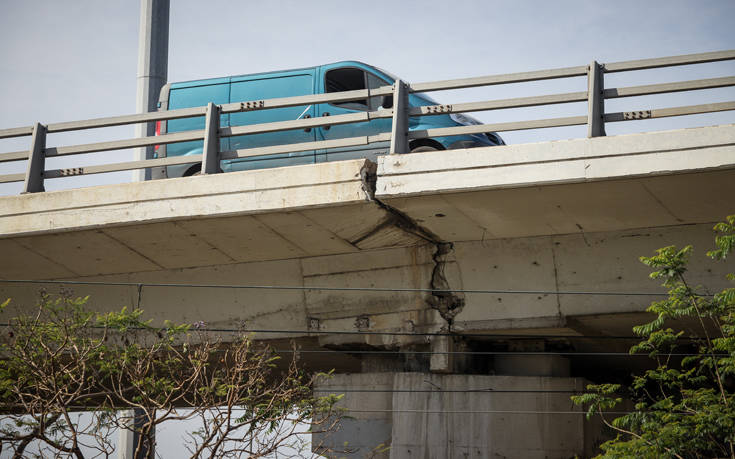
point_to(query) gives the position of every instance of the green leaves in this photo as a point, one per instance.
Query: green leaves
(123, 321)
(64, 356)
(683, 407)
(725, 241)
(600, 398)
(668, 262)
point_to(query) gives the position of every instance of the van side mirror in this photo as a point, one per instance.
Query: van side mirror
(387, 101)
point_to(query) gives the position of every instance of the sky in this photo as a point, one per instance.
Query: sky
(64, 60)
(77, 59)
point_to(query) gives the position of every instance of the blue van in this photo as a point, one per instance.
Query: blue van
(336, 77)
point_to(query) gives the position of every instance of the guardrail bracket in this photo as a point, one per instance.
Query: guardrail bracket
(596, 101)
(36, 161)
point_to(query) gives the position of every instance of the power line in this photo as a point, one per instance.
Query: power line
(457, 334)
(512, 353)
(335, 289)
(453, 391)
(481, 412)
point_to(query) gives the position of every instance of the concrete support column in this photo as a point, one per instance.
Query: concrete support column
(128, 439)
(429, 416)
(361, 432)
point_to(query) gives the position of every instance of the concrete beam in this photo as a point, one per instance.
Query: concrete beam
(187, 198)
(565, 187)
(284, 213)
(318, 226)
(563, 161)
(596, 262)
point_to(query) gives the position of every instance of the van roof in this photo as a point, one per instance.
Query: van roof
(221, 80)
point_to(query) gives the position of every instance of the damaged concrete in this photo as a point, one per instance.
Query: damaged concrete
(480, 243)
(442, 299)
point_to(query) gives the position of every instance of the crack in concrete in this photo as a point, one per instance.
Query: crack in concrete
(661, 203)
(446, 302)
(442, 299)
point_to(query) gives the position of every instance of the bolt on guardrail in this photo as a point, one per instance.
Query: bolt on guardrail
(400, 136)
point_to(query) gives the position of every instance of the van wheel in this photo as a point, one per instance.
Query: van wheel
(423, 148)
(198, 172)
(193, 170)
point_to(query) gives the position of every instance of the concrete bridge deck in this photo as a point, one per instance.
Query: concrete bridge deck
(551, 217)
(549, 188)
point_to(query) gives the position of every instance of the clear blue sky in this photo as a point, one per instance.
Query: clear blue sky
(68, 60)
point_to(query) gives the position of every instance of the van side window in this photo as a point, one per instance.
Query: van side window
(375, 82)
(346, 79)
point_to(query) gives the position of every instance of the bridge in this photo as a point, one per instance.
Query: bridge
(427, 280)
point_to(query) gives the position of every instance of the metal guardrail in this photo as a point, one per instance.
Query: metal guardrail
(399, 136)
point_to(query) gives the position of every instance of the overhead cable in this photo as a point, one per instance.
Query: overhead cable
(334, 289)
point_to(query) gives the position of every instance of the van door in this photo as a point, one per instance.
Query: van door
(260, 87)
(195, 94)
(350, 78)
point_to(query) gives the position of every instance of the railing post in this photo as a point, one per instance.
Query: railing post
(595, 100)
(210, 156)
(36, 161)
(399, 130)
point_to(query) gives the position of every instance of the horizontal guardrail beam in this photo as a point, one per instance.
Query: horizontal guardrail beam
(184, 136)
(16, 132)
(678, 86)
(13, 156)
(500, 104)
(500, 79)
(305, 146)
(36, 174)
(124, 166)
(304, 123)
(498, 127)
(311, 99)
(9, 178)
(667, 112)
(127, 119)
(233, 107)
(108, 121)
(670, 61)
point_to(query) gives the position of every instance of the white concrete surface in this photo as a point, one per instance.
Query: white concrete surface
(185, 198)
(594, 262)
(552, 217)
(410, 413)
(564, 187)
(315, 226)
(563, 161)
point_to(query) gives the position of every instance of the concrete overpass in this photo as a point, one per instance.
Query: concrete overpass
(491, 244)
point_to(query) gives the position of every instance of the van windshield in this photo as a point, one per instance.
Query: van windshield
(421, 95)
(388, 74)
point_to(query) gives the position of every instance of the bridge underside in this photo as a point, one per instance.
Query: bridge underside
(358, 247)
(553, 218)
(550, 217)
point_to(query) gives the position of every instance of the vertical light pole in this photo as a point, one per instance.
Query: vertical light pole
(152, 74)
